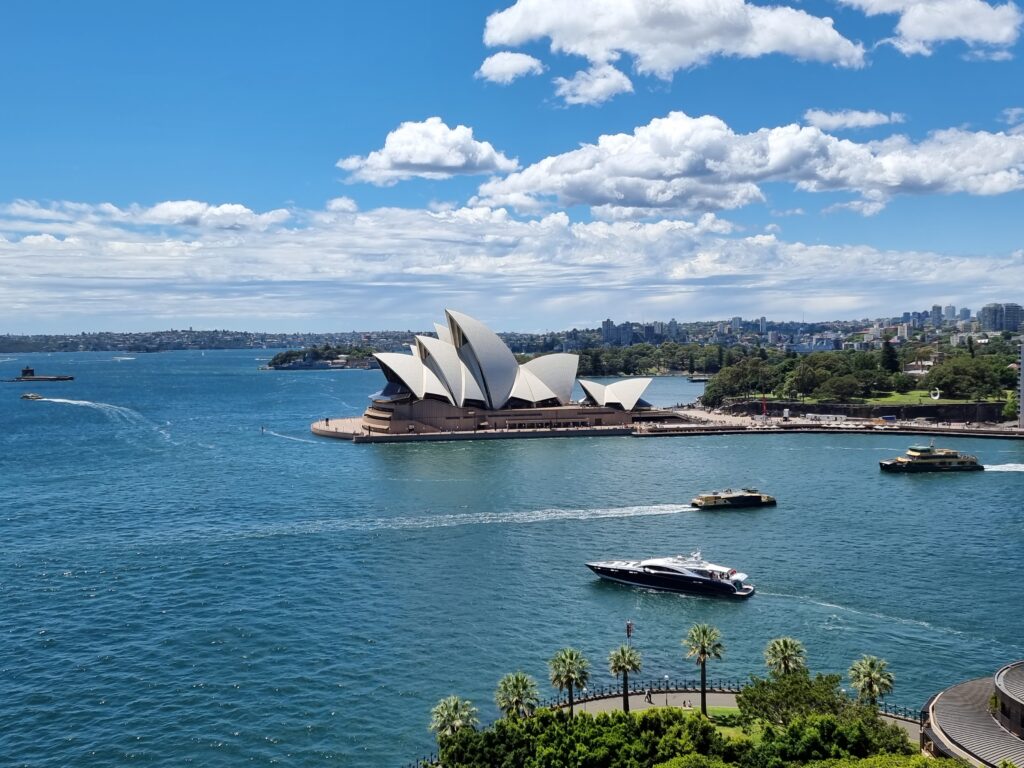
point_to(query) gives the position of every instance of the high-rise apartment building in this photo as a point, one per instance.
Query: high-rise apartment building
(1013, 316)
(991, 317)
(936, 315)
(949, 314)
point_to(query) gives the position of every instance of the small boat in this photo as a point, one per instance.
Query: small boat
(928, 458)
(676, 574)
(31, 396)
(29, 374)
(745, 497)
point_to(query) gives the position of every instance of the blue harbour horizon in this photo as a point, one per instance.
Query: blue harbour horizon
(188, 574)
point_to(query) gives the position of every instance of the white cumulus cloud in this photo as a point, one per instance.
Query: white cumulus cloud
(665, 36)
(850, 118)
(430, 150)
(342, 205)
(198, 214)
(505, 66)
(924, 23)
(680, 165)
(593, 86)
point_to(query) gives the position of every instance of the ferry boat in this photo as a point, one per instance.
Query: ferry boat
(928, 458)
(676, 574)
(745, 497)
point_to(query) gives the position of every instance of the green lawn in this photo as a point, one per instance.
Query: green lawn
(913, 397)
(734, 731)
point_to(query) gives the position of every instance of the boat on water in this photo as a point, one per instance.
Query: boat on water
(745, 497)
(31, 396)
(677, 573)
(928, 458)
(29, 374)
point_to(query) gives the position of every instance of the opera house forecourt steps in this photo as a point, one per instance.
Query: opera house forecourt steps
(980, 721)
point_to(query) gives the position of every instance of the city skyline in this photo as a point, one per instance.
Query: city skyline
(338, 166)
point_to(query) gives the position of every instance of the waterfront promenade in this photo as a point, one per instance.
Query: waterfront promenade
(695, 422)
(690, 699)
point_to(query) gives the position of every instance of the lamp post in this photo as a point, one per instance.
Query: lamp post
(666, 690)
(584, 698)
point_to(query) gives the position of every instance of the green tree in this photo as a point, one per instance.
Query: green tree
(452, 714)
(517, 695)
(889, 359)
(839, 388)
(703, 642)
(870, 678)
(1012, 408)
(962, 376)
(779, 699)
(568, 669)
(621, 662)
(784, 655)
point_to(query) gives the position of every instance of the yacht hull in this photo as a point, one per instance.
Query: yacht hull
(671, 583)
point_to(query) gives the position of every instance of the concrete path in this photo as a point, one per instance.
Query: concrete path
(690, 700)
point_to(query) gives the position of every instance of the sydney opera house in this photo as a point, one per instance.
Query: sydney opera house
(467, 380)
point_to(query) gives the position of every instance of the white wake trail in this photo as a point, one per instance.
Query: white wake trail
(112, 412)
(290, 437)
(1005, 468)
(476, 518)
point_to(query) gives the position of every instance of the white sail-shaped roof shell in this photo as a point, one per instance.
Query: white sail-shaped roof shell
(530, 388)
(442, 332)
(557, 371)
(625, 393)
(594, 392)
(412, 373)
(486, 356)
(443, 359)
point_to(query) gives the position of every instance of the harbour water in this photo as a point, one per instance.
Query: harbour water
(188, 576)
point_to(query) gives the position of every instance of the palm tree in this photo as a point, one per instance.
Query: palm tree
(517, 695)
(703, 642)
(871, 679)
(451, 714)
(568, 669)
(784, 655)
(622, 661)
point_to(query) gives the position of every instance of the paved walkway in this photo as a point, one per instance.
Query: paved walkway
(691, 700)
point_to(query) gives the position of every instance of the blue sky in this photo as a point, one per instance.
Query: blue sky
(335, 166)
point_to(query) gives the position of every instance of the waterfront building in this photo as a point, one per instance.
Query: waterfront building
(465, 379)
(980, 721)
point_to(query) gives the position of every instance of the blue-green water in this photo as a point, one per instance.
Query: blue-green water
(176, 586)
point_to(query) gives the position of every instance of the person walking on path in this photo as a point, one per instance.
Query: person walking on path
(647, 697)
